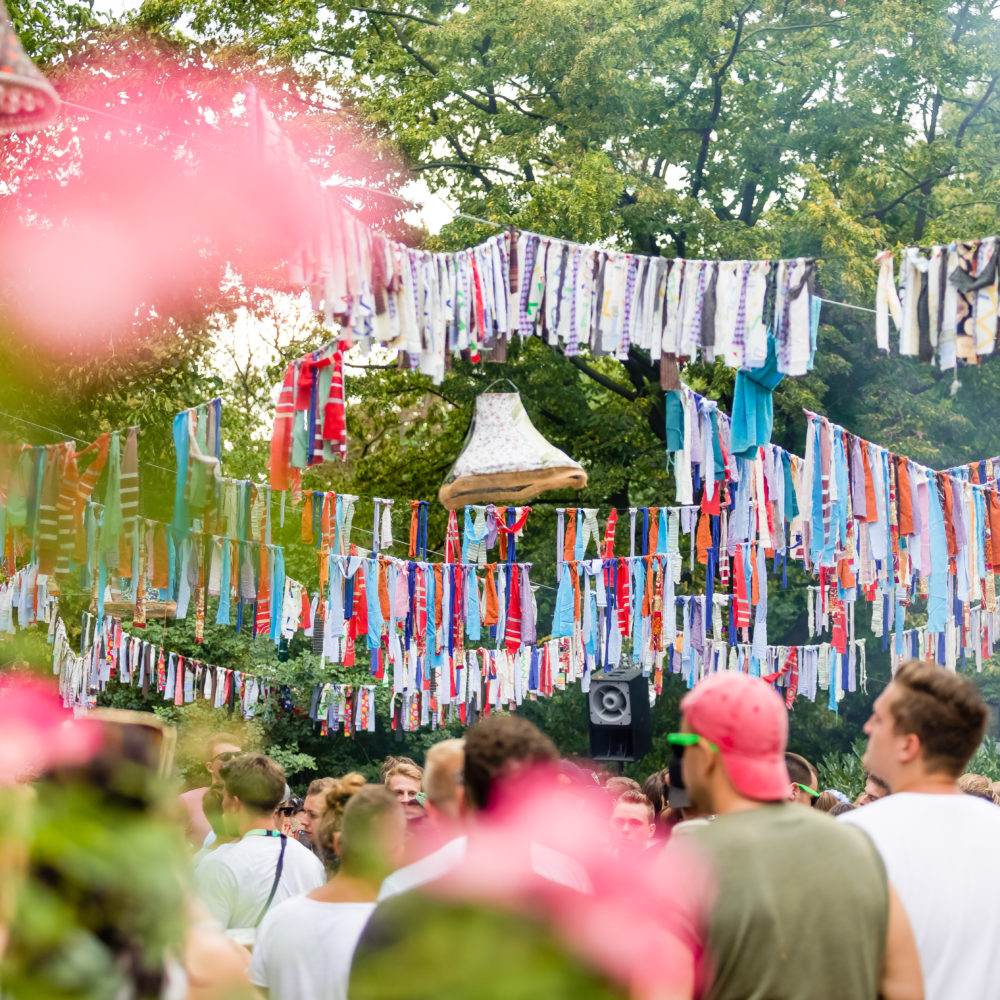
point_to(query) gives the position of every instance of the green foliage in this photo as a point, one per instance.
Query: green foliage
(290, 759)
(986, 760)
(843, 770)
(716, 129)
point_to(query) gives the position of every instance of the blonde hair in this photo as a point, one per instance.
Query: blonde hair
(337, 796)
(978, 785)
(407, 770)
(443, 780)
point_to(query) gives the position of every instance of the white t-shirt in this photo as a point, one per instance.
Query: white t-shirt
(940, 854)
(549, 864)
(234, 881)
(304, 948)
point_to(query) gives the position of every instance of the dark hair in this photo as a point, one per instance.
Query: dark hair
(211, 804)
(655, 789)
(495, 743)
(360, 848)
(842, 807)
(945, 711)
(878, 781)
(257, 781)
(800, 771)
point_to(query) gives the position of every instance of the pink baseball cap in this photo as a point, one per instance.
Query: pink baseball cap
(747, 720)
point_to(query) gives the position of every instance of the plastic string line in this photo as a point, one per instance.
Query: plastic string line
(79, 440)
(493, 224)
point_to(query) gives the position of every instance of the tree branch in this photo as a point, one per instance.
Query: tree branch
(706, 132)
(396, 13)
(980, 104)
(599, 377)
(881, 213)
(462, 165)
(798, 27)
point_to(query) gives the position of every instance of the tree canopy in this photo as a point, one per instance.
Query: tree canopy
(712, 128)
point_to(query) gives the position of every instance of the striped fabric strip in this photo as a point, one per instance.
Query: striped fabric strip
(48, 530)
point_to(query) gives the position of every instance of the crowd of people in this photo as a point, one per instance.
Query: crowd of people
(497, 867)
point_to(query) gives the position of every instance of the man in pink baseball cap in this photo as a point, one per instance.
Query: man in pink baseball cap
(794, 909)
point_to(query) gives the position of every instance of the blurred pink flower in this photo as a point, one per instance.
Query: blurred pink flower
(36, 732)
(545, 849)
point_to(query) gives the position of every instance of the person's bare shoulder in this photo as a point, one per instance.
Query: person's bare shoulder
(216, 966)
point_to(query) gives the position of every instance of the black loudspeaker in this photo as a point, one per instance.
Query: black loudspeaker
(618, 707)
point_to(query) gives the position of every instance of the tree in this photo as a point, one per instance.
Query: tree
(723, 129)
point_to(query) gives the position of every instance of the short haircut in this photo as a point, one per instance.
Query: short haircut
(800, 771)
(257, 781)
(338, 794)
(443, 772)
(633, 797)
(878, 781)
(406, 770)
(359, 835)
(216, 738)
(618, 785)
(211, 805)
(390, 762)
(496, 743)
(944, 710)
(320, 786)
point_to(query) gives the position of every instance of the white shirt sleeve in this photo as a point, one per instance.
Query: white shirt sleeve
(217, 888)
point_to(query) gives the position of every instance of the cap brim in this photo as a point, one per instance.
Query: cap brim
(764, 779)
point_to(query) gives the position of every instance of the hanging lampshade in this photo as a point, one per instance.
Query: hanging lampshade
(27, 100)
(505, 459)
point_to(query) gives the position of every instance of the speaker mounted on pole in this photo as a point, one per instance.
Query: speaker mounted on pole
(618, 715)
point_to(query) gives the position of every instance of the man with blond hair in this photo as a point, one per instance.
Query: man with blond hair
(405, 780)
(444, 788)
(218, 750)
(938, 844)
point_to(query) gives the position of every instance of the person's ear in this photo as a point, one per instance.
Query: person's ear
(909, 748)
(336, 843)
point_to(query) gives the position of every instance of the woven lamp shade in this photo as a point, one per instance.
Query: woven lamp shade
(27, 100)
(505, 459)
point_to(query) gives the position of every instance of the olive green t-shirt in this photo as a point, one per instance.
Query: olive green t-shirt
(800, 911)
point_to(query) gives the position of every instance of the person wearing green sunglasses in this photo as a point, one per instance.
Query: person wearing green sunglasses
(804, 787)
(764, 930)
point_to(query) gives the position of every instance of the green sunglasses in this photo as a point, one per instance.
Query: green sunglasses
(690, 740)
(807, 789)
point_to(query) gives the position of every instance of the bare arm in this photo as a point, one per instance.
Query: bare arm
(902, 978)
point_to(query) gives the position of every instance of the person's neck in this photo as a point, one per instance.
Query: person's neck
(254, 821)
(726, 800)
(347, 888)
(922, 783)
